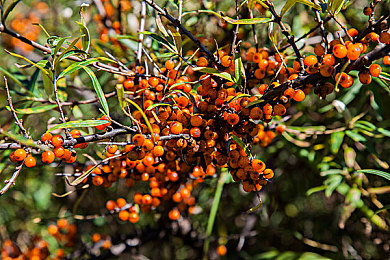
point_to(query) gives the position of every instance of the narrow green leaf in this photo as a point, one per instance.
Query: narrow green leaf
(331, 184)
(157, 105)
(376, 172)
(241, 144)
(35, 110)
(315, 189)
(287, 6)
(86, 40)
(80, 123)
(98, 89)
(161, 40)
(355, 136)
(215, 72)
(78, 65)
(336, 139)
(121, 95)
(214, 208)
(144, 117)
(9, 9)
(176, 38)
(11, 76)
(246, 21)
(384, 131)
(349, 156)
(58, 46)
(160, 26)
(65, 53)
(45, 71)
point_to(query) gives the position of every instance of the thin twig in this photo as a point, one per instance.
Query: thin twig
(140, 35)
(235, 34)
(17, 121)
(290, 38)
(11, 180)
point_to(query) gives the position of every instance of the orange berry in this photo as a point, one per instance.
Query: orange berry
(30, 161)
(233, 119)
(112, 148)
(268, 173)
(258, 165)
(138, 139)
(299, 95)
(96, 237)
(353, 32)
(353, 52)
(97, 180)
(48, 156)
(59, 151)
(52, 229)
(384, 37)
(46, 137)
(174, 214)
(364, 77)
(147, 199)
(110, 205)
(124, 215)
(134, 217)
(328, 59)
(310, 60)
(340, 51)
(221, 250)
(20, 155)
(375, 70)
(121, 202)
(267, 109)
(176, 128)
(289, 93)
(129, 84)
(319, 50)
(202, 62)
(57, 141)
(62, 223)
(386, 60)
(158, 151)
(195, 132)
(169, 64)
(262, 88)
(75, 133)
(226, 61)
(138, 198)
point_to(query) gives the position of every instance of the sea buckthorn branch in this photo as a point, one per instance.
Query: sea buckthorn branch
(371, 17)
(45, 50)
(327, 19)
(233, 45)
(368, 58)
(74, 102)
(11, 181)
(17, 121)
(140, 34)
(62, 119)
(290, 38)
(178, 24)
(322, 29)
(340, 24)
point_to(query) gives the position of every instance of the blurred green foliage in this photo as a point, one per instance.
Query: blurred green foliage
(319, 206)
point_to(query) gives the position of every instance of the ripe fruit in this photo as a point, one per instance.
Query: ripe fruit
(340, 51)
(20, 155)
(226, 61)
(221, 250)
(112, 148)
(57, 140)
(48, 156)
(62, 223)
(299, 95)
(30, 161)
(310, 60)
(364, 77)
(121, 202)
(375, 70)
(134, 217)
(328, 59)
(353, 52)
(202, 62)
(176, 128)
(386, 60)
(138, 139)
(124, 215)
(174, 214)
(110, 205)
(46, 137)
(169, 64)
(319, 50)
